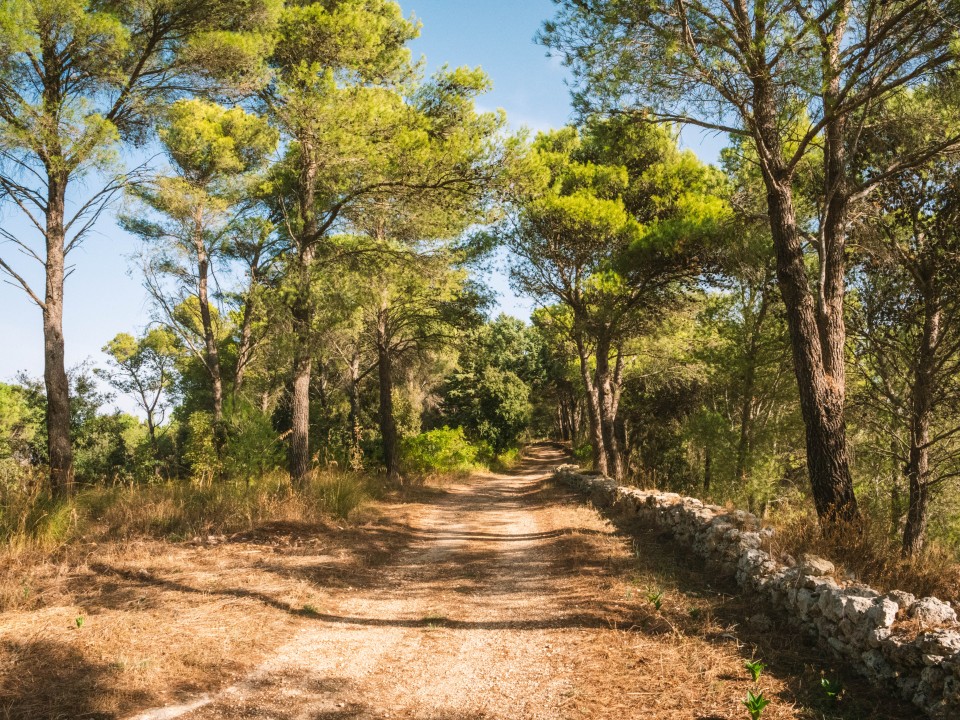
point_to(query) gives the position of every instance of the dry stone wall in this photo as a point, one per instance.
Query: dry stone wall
(907, 644)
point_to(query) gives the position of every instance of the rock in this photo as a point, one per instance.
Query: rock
(855, 607)
(876, 637)
(883, 614)
(816, 566)
(876, 665)
(931, 611)
(940, 642)
(903, 599)
(831, 604)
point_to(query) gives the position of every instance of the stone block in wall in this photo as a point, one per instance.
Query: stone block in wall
(932, 612)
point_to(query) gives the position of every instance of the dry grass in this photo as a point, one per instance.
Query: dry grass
(870, 556)
(165, 622)
(38, 532)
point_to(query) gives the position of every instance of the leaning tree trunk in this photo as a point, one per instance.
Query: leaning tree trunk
(593, 411)
(918, 464)
(607, 402)
(59, 444)
(245, 345)
(211, 349)
(388, 424)
(822, 393)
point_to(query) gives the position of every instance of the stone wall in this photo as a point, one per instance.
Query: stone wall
(906, 644)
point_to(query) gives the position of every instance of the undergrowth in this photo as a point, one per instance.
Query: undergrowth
(870, 555)
(29, 518)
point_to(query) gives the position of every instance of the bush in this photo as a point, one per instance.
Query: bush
(199, 450)
(438, 451)
(253, 447)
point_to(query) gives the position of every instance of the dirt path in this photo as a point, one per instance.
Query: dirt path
(499, 597)
(460, 625)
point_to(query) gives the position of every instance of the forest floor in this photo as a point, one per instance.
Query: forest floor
(496, 596)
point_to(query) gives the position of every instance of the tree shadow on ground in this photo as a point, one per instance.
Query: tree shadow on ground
(43, 680)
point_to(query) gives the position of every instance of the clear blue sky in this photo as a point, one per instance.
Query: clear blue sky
(104, 295)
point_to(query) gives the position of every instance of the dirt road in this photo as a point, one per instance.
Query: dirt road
(500, 596)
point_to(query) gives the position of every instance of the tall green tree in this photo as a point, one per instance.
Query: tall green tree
(198, 216)
(77, 78)
(359, 125)
(906, 331)
(489, 393)
(790, 77)
(617, 230)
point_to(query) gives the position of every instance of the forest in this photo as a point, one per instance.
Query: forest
(315, 216)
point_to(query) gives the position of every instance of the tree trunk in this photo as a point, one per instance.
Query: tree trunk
(707, 470)
(817, 333)
(748, 406)
(593, 410)
(245, 346)
(356, 432)
(822, 395)
(59, 444)
(302, 313)
(211, 349)
(388, 424)
(918, 465)
(606, 395)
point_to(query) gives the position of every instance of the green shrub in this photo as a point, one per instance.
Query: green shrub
(253, 447)
(438, 451)
(199, 451)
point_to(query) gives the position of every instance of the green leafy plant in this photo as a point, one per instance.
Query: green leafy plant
(755, 667)
(79, 621)
(755, 703)
(656, 599)
(832, 688)
(443, 450)
(310, 610)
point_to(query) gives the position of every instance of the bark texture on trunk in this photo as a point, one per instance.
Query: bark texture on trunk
(388, 424)
(356, 432)
(918, 463)
(817, 333)
(210, 347)
(300, 464)
(822, 395)
(302, 315)
(607, 396)
(245, 346)
(56, 382)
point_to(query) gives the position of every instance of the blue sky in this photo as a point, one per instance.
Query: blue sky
(104, 295)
